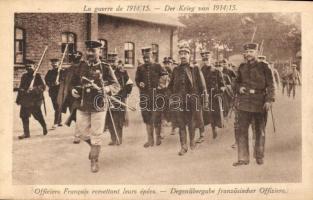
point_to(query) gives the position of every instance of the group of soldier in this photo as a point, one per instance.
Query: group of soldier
(185, 94)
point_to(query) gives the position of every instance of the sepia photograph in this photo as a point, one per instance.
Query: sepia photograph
(157, 99)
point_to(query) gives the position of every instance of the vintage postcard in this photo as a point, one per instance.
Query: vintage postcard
(204, 99)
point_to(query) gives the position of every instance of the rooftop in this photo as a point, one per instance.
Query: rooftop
(161, 19)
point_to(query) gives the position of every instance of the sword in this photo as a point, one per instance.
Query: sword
(110, 97)
(44, 104)
(111, 116)
(273, 119)
(221, 108)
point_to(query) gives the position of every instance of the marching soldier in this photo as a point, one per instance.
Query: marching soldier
(91, 84)
(187, 91)
(65, 99)
(215, 86)
(284, 82)
(30, 99)
(51, 81)
(147, 79)
(256, 90)
(118, 112)
(293, 80)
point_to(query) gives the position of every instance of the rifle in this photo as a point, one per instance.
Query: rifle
(37, 68)
(60, 66)
(255, 28)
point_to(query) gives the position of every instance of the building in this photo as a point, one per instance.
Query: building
(124, 33)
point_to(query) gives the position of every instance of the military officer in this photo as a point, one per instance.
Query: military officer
(187, 90)
(91, 83)
(256, 91)
(54, 86)
(118, 112)
(147, 79)
(30, 99)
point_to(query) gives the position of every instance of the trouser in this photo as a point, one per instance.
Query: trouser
(244, 120)
(118, 124)
(236, 125)
(183, 135)
(284, 85)
(57, 112)
(35, 111)
(89, 125)
(151, 129)
(292, 87)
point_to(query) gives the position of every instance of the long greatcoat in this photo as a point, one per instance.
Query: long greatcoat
(186, 99)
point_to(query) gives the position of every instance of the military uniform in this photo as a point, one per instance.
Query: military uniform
(255, 87)
(293, 80)
(214, 83)
(187, 90)
(147, 79)
(65, 100)
(118, 112)
(92, 82)
(51, 81)
(31, 100)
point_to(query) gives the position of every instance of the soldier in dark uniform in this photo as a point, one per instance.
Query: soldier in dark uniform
(92, 82)
(54, 85)
(215, 87)
(187, 90)
(65, 100)
(147, 79)
(31, 99)
(256, 91)
(118, 111)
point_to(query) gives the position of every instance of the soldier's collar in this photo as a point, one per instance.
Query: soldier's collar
(93, 63)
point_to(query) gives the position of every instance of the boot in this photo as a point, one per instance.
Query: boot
(94, 155)
(192, 138)
(201, 138)
(44, 131)
(150, 141)
(158, 135)
(76, 140)
(183, 142)
(25, 128)
(214, 132)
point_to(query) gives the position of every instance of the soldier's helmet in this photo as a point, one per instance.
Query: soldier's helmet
(253, 46)
(29, 63)
(92, 44)
(184, 46)
(112, 57)
(167, 60)
(146, 51)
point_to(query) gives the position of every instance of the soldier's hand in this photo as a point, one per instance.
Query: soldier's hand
(267, 106)
(75, 93)
(223, 89)
(141, 84)
(242, 90)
